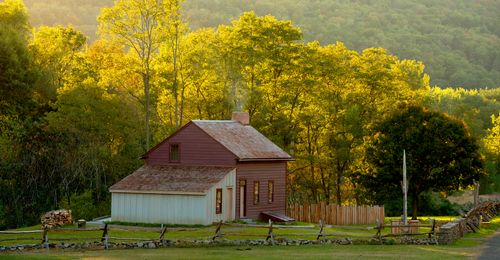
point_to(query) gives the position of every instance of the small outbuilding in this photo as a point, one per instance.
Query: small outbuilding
(207, 171)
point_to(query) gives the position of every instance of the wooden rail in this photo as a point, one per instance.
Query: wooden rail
(220, 231)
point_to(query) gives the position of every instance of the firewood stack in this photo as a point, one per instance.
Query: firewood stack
(56, 218)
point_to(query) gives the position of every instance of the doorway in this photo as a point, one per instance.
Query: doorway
(243, 199)
(229, 203)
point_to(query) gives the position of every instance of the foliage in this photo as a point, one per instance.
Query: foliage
(55, 53)
(492, 145)
(83, 207)
(16, 75)
(453, 163)
(14, 14)
(143, 26)
(73, 114)
(457, 40)
(431, 204)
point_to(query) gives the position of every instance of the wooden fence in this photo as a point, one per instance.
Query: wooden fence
(336, 215)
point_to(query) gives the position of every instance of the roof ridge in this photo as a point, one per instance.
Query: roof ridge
(244, 141)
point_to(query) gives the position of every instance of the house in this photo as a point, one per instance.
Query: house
(207, 171)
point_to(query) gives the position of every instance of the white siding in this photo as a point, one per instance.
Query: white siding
(173, 209)
(228, 181)
(158, 208)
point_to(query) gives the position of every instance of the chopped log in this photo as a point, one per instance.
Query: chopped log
(56, 218)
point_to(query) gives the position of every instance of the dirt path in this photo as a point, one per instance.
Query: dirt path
(491, 247)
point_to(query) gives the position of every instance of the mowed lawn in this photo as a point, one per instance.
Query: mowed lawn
(266, 252)
(467, 247)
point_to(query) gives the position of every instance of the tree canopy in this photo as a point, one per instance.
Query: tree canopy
(73, 111)
(458, 40)
(442, 155)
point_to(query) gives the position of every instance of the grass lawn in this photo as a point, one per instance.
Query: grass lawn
(467, 247)
(265, 252)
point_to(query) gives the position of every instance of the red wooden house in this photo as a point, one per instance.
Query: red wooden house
(207, 171)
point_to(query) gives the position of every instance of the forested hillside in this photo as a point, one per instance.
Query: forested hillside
(76, 116)
(458, 40)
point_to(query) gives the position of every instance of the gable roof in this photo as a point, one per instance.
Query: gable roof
(243, 141)
(246, 143)
(171, 179)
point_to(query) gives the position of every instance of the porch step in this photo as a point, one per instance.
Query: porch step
(277, 217)
(248, 221)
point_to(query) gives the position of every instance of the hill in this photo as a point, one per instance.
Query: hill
(458, 40)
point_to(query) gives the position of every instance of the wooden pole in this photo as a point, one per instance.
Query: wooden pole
(405, 191)
(270, 234)
(320, 230)
(105, 236)
(162, 234)
(217, 231)
(45, 237)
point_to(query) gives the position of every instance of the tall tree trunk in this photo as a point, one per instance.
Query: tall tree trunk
(175, 85)
(338, 189)
(145, 78)
(414, 208)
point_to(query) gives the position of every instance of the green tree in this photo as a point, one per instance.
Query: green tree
(142, 25)
(441, 153)
(14, 14)
(492, 145)
(16, 76)
(55, 53)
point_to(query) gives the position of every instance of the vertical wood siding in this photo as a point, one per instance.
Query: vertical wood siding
(159, 208)
(196, 148)
(337, 215)
(228, 181)
(172, 209)
(262, 172)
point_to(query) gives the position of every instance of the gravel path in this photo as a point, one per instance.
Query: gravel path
(492, 247)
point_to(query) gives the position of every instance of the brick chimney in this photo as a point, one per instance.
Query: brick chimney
(241, 117)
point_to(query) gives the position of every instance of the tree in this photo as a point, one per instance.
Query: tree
(16, 77)
(142, 25)
(14, 14)
(55, 53)
(441, 153)
(492, 145)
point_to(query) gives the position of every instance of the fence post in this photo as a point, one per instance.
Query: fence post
(45, 237)
(320, 230)
(379, 231)
(217, 231)
(162, 234)
(270, 234)
(432, 233)
(105, 236)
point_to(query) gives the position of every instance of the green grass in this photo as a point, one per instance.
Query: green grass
(424, 219)
(265, 252)
(467, 247)
(229, 232)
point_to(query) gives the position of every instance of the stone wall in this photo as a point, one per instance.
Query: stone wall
(221, 242)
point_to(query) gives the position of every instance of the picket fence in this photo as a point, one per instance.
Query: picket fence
(337, 215)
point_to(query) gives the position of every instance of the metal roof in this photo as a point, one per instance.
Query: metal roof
(243, 141)
(171, 179)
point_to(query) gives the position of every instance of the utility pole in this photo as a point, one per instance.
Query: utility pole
(405, 191)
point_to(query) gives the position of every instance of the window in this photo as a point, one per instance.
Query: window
(270, 191)
(174, 153)
(218, 201)
(255, 192)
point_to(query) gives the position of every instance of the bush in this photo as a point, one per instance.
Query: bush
(83, 206)
(431, 204)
